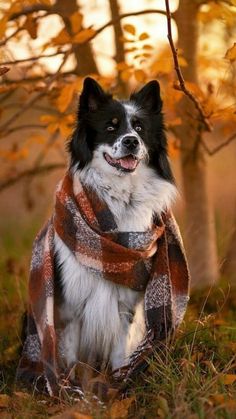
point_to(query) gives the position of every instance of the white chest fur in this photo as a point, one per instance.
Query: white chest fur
(99, 315)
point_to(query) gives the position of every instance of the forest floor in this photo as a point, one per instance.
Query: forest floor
(195, 379)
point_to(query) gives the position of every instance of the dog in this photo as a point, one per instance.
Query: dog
(119, 150)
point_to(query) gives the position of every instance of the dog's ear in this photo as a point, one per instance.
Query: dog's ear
(92, 97)
(149, 97)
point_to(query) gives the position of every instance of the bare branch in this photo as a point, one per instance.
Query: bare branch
(29, 173)
(4, 41)
(36, 97)
(23, 60)
(23, 127)
(32, 9)
(124, 15)
(220, 146)
(182, 85)
(21, 111)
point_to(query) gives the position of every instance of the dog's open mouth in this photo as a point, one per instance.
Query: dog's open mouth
(127, 163)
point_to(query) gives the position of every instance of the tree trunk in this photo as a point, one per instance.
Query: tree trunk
(85, 62)
(200, 228)
(119, 45)
(229, 265)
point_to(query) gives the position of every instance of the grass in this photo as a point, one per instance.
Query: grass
(194, 378)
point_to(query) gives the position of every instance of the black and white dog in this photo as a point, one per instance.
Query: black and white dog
(119, 149)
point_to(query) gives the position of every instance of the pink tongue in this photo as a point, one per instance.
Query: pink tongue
(128, 163)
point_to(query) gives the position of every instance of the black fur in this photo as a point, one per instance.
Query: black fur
(96, 111)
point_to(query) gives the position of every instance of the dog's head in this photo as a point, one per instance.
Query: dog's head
(115, 136)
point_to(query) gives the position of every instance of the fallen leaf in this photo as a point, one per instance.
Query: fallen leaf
(4, 400)
(120, 408)
(78, 415)
(230, 405)
(228, 379)
(217, 399)
(163, 406)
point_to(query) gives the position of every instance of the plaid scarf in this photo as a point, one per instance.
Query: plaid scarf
(152, 261)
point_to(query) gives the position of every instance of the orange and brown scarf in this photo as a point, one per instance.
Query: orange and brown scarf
(152, 261)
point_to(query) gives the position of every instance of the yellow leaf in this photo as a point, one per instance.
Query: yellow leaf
(122, 66)
(130, 49)
(76, 22)
(143, 36)
(228, 379)
(146, 55)
(83, 36)
(140, 75)
(218, 399)
(31, 26)
(37, 139)
(65, 97)
(53, 127)
(129, 28)
(65, 125)
(231, 53)
(125, 75)
(3, 25)
(147, 46)
(62, 38)
(4, 400)
(163, 405)
(48, 118)
(120, 408)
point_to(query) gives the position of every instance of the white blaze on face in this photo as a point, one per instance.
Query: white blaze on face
(130, 111)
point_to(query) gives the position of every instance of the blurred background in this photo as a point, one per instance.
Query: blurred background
(47, 47)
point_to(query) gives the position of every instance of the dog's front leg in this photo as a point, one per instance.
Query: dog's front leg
(118, 352)
(132, 331)
(70, 343)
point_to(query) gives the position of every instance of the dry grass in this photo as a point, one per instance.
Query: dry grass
(195, 378)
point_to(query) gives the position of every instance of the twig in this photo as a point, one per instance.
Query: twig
(31, 9)
(4, 41)
(182, 85)
(220, 146)
(29, 173)
(124, 15)
(36, 97)
(21, 111)
(23, 60)
(23, 127)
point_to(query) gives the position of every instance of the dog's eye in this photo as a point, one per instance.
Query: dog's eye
(110, 128)
(138, 128)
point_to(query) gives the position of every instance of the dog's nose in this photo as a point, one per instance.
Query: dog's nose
(130, 142)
